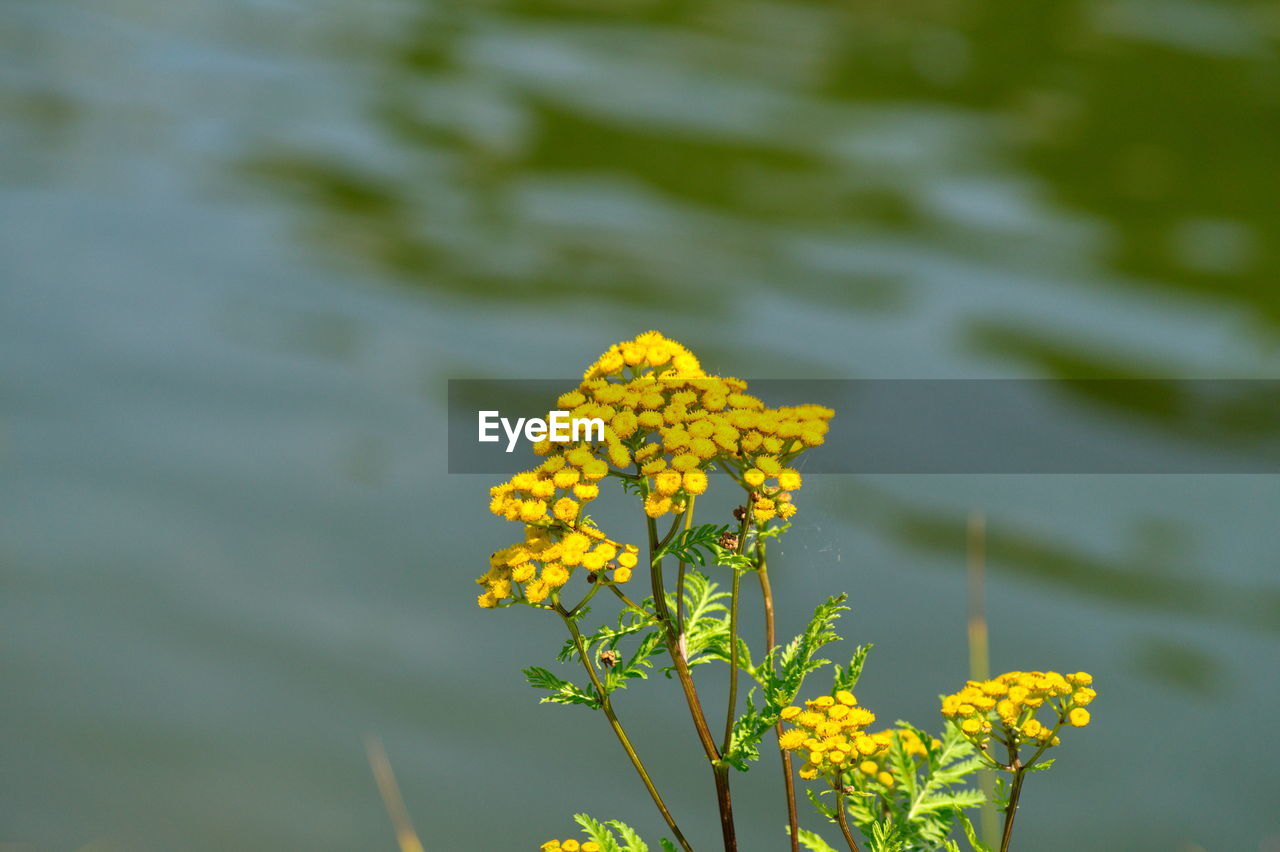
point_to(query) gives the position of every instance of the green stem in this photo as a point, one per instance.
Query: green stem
(731, 710)
(595, 587)
(676, 651)
(843, 819)
(688, 523)
(606, 705)
(622, 596)
(1019, 773)
(770, 638)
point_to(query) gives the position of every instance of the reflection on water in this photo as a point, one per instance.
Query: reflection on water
(230, 550)
(1133, 579)
(556, 149)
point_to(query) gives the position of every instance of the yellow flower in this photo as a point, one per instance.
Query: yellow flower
(791, 740)
(1012, 700)
(695, 482)
(830, 733)
(566, 509)
(666, 415)
(595, 469)
(655, 505)
(667, 483)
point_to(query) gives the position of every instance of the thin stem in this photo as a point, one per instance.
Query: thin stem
(770, 638)
(595, 587)
(733, 633)
(1010, 812)
(676, 650)
(688, 523)
(622, 596)
(733, 660)
(843, 819)
(607, 706)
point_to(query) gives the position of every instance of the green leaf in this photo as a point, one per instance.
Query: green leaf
(796, 661)
(819, 805)
(706, 622)
(630, 622)
(599, 833)
(774, 531)
(748, 729)
(813, 841)
(886, 837)
(971, 833)
(563, 692)
(847, 678)
(629, 837)
(695, 544)
(1042, 765)
(667, 845)
(634, 666)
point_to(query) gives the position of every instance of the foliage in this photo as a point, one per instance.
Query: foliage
(922, 802)
(780, 675)
(667, 425)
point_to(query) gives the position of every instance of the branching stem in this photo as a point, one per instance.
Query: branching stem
(606, 705)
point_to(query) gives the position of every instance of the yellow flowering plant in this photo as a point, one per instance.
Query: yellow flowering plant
(668, 425)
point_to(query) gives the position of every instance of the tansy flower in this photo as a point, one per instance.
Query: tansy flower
(664, 414)
(1011, 702)
(695, 482)
(830, 733)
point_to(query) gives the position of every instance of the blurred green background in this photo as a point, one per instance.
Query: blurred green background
(246, 242)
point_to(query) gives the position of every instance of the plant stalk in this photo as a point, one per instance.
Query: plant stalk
(1010, 812)
(770, 639)
(734, 597)
(843, 819)
(675, 649)
(606, 705)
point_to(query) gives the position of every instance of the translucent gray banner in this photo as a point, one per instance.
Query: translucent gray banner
(958, 426)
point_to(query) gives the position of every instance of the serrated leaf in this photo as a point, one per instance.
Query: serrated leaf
(636, 665)
(563, 691)
(886, 837)
(694, 545)
(706, 622)
(847, 678)
(819, 805)
(599, 833)
(773, 531)
(629, 837)
(970, 833)
(813, 841)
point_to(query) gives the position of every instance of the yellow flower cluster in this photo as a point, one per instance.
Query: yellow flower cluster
(666, 422)
(570, 845)
(830, 732)
(540, 565)
(911, 743)
(1008, 706)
